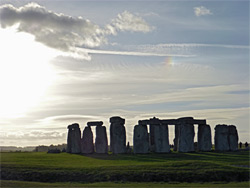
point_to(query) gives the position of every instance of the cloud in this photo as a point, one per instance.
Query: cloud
(55, 30)
(64, 32)
(129, 22)
(202, 11)
(131, 53)
(33, 135)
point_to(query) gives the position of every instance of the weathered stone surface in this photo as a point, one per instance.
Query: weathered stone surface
(141, 139)
(117, 135)
(74, 139)
(233, 138)
(101, 141)
(221, 138)
(87, 141)
(95, 123)
(204, 138)
(185, 142)
(152, 122)
(117, 119)
(161, 139)
(176, 132)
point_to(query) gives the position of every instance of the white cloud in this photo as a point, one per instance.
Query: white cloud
(132, 53)
(202, 11)
(55, 30)
(129, 22)
(64, 32)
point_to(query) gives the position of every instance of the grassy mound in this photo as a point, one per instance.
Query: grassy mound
(173, 167)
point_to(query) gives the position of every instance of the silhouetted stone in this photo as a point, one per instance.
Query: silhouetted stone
(161, 139)
(204, 138)
(233, 138)
(152, 122)
(185, 141)
(117, 135)
(141, 139)
(95, 123)
(221, 138)
(101, 141)
(176, 133)
(87, 141)
(74, 139)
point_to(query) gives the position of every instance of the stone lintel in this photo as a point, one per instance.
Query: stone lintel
(200, 121)
(189, 120)
(169, 121)
(95, 123)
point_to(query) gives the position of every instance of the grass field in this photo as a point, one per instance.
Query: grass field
(7, 183)
(95, 170)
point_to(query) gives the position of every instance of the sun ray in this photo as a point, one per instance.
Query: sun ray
(25, 72)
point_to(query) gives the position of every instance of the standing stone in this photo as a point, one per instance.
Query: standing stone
(204, 138)
(221, 138)
(141, 139)
(185, 135)
(117, 135)
(161, 138)
(233, 138)
(87, 141)
(152, 123)
(101, 141)
(74, 139)
(176, 132)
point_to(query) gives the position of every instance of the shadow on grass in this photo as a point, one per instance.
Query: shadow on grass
(175, 156)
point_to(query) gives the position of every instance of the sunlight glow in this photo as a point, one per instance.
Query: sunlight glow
(25, 72)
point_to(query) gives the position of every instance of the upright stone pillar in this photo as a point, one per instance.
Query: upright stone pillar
(161, 138)
(204, 138)
(74, 139)
(221, 138)
(101, 141)
(186, 135)
(117, 135)
(141, 139)
(152, 123)
(176, 132)
(233, 138)
(87, 141)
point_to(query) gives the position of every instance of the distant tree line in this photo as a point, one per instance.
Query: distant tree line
(56, 148)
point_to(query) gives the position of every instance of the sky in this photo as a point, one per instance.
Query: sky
(65, 62)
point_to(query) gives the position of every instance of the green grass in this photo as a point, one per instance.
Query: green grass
(6, 183)
(172, 167)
